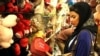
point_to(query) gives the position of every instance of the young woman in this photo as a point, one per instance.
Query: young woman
(80, 42)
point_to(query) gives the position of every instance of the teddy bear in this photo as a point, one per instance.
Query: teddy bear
(6, 32)
(27, 7)
(22, 28)
(25, 13)
(21, 47)
(19, 28)
(20, 31)
(2, 8)
(96, 16)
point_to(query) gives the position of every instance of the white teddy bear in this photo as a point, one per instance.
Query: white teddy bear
(6, 32)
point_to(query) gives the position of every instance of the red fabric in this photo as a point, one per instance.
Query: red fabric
(26, 23)
(19, 29)
(13, 1)
(24, 42)
(27, 7)
(12, 7)
(2, 8)
(39, 47)
(22, 25)
(17, 49)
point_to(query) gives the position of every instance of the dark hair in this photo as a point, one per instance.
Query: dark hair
(84, 11)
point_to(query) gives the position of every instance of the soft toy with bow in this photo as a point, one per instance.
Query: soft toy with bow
(6, 31)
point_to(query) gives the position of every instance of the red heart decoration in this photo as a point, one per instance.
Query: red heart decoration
(39, 45)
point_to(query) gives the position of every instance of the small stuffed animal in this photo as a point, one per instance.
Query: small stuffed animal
(21, 48)
(2, 5)
(12, 7)
(22, 27)
(27, 7)
(2, 8)
(6, 32)
(97, 22)
(21, 30)
(97, 15)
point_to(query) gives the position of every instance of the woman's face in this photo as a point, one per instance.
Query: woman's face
(74, 18)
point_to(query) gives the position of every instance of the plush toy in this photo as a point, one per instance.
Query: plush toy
(21, 48)
(2, 8)
(97, 15)
(2, 5)
(27, 7)
(20, 31)
(6, 32)
(27, 22)
(12, 7)
(23, 27)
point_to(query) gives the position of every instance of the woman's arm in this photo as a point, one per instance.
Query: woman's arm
(83, 46)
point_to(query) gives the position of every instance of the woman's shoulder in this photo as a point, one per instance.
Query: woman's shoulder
(84, 31)
(84, 34)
